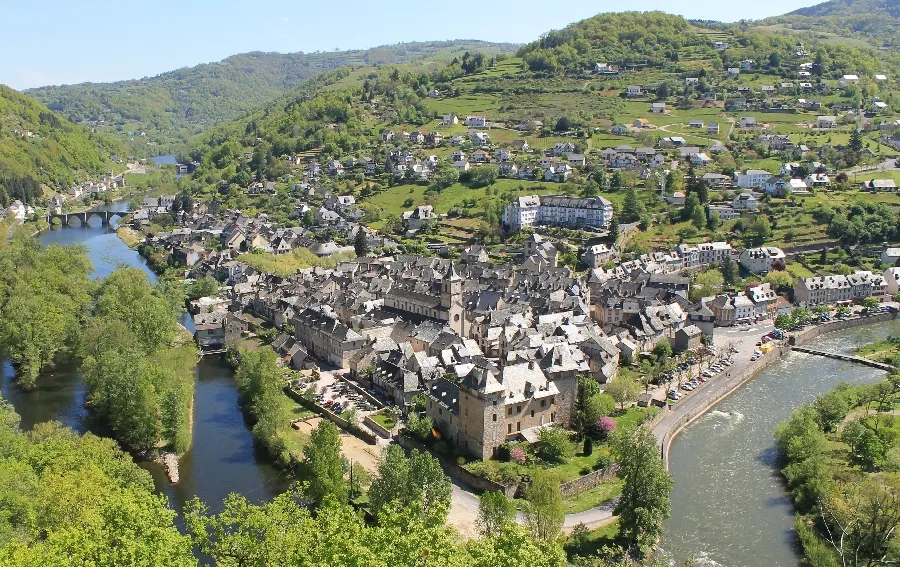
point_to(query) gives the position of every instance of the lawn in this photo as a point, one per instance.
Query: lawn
(882, 351)
(384, 420)
(287, 264)
(604, 536)
(593, 497)
(294, 440)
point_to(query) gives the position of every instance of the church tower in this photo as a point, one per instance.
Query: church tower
(452, 301)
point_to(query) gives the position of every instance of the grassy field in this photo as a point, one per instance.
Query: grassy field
(605, 536)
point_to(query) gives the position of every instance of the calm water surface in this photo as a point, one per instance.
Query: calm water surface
(222, 459)
(729, 503)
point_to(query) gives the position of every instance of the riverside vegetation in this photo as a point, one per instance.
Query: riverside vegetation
(79, 500)
(843, 471)
(122, 331)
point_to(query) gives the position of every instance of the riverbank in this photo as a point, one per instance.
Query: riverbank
(730, 501)
(714, 391)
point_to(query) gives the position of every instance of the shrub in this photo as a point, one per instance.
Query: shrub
(518, 456)
(460, 460)
(605, 426)
(554, 445)
(604, 461)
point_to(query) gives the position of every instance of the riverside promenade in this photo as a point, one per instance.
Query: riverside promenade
(700, 401)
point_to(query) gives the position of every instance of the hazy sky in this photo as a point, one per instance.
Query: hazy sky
(64, 41)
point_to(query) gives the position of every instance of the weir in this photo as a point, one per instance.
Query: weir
(846, 357)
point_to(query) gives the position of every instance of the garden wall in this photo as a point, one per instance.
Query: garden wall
(588, 481)
(330, 416)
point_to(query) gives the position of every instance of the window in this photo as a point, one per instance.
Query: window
(509, 410)
(552, 416)
(509, 427)
(532, 413)
(518, 409)
(543, 403)
(440, 411)
(518, 426)
(495, 417)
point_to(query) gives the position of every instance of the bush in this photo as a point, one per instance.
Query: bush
(518, 456)
(605, 426)
(554, 445)
(460, 460)
(604, 461)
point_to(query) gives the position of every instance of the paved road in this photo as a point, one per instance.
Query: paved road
(744, 338)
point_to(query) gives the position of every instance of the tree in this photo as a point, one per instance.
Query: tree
(325, 462)
(360, 243)
(615, 182)
(706, 284)
(662, 91)
(614, 229)
(543, 510)
(760, 229)
(832, 408)
(714, 222)
(698, 217)
(554, 445)
(662, 350)
(784, 321)
(496, 513)
(863, 521)
(623, 390)
(729, 271)
(632, 209)
(417, 483)
(644, 504)
(870, 303)
(856, 143)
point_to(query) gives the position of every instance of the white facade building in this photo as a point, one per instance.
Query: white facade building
(558, 210)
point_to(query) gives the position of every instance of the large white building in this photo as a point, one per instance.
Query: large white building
(710, 252)
(558, 210)
(751, 178)
(760, 260)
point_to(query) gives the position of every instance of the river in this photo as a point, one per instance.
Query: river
(222, 458)
(730, 504)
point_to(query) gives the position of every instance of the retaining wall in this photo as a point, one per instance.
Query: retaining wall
(742, 376)
(587, 482)
(377, 428)
(330, 416)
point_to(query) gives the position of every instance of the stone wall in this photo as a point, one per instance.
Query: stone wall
(458, 473)
(749, 371)
(330, 416)
(377, 428)
(587, 482)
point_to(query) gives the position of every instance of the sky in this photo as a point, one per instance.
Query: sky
(50, 42)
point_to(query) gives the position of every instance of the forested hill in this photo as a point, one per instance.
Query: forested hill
(647, 38)
(876, 22)
(186, 101)
(850, 8)
(37, 143)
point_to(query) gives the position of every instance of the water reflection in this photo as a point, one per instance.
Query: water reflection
(222, 459)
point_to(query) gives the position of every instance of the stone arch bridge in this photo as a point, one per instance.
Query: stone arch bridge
(84, 217)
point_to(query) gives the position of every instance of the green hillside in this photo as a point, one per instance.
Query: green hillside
(170, 107)
(38, 144)
(876, 22)
(341, 115)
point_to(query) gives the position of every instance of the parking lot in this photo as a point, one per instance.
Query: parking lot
(338, 397)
